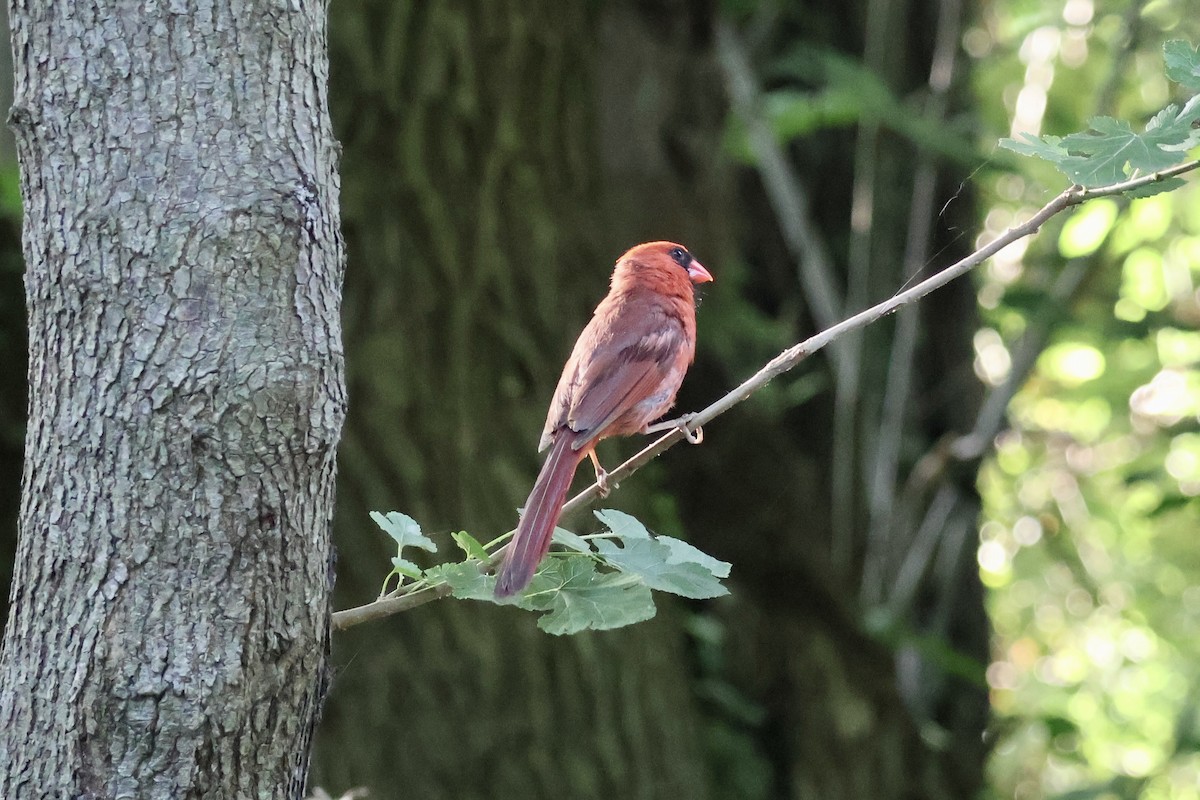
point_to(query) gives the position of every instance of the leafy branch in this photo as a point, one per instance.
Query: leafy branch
(1106, 160)
(568, 589)
(1109, 151)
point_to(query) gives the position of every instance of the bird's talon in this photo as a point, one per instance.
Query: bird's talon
(602, 484)
(695, 436)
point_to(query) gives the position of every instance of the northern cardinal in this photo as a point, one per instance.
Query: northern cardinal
(622, 375)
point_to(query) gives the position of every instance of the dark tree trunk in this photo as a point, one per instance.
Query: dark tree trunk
(495, 151)
(480, 215)
(169, 621)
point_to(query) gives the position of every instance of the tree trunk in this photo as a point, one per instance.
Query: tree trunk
(480, 211)
(169, 622)
(499, 155)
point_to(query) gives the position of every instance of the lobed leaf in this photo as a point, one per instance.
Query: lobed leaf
(465, 579)
(650, 560)
(568, 588)
(404, 529)
(570, 540)
(1110, 151)
(1048, 148)
(402, 566)
(625, 526)
(682, 552)
(1183, 63)
(579, 598)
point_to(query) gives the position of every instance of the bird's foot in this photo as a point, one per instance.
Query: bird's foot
(602, 483)
(601, 475)
(693, 435)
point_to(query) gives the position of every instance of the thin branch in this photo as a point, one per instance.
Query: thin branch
(790, 202)
(785, 192)
(784, 362)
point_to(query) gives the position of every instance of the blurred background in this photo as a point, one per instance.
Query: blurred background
(964, 540)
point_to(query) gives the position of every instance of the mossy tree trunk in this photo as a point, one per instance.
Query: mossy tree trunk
(480, 220)
(499, 156)
(494, 151)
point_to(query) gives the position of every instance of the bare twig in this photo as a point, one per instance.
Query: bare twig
(787, 360)
(790, 202)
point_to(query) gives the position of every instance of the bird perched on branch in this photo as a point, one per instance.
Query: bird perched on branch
(622, 375)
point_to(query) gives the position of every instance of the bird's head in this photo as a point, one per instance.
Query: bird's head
(662, 264)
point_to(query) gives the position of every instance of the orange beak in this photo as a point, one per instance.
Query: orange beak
(698, 273)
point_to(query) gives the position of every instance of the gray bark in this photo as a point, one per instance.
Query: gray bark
(169, 623)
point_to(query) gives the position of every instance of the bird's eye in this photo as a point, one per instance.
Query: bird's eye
(680, 256)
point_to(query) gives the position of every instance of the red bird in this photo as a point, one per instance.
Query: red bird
(622, 375)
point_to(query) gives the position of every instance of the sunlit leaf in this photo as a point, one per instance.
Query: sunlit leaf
(1087, 228)
(1183, 63)
(1109, 151)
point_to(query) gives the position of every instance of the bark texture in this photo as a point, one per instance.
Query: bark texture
(169, 621)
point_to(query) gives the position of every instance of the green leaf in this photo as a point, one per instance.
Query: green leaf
(621, 524)
(405, 567)
(1109, 151)
(470, 545)
(1158, 187)
(1048, 148)
(1183, 63)
(406, 533)
(574, 594)
(649, 560)
(465, 580)
(683, 553)
(1179, 124)
(579, 598)
(404, 529)
(570, 540)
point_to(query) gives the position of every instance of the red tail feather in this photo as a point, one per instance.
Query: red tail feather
(542, 510)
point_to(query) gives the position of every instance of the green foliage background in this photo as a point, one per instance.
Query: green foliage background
(1088, 541)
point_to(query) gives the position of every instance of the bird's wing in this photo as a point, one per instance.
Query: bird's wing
(622, 371)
